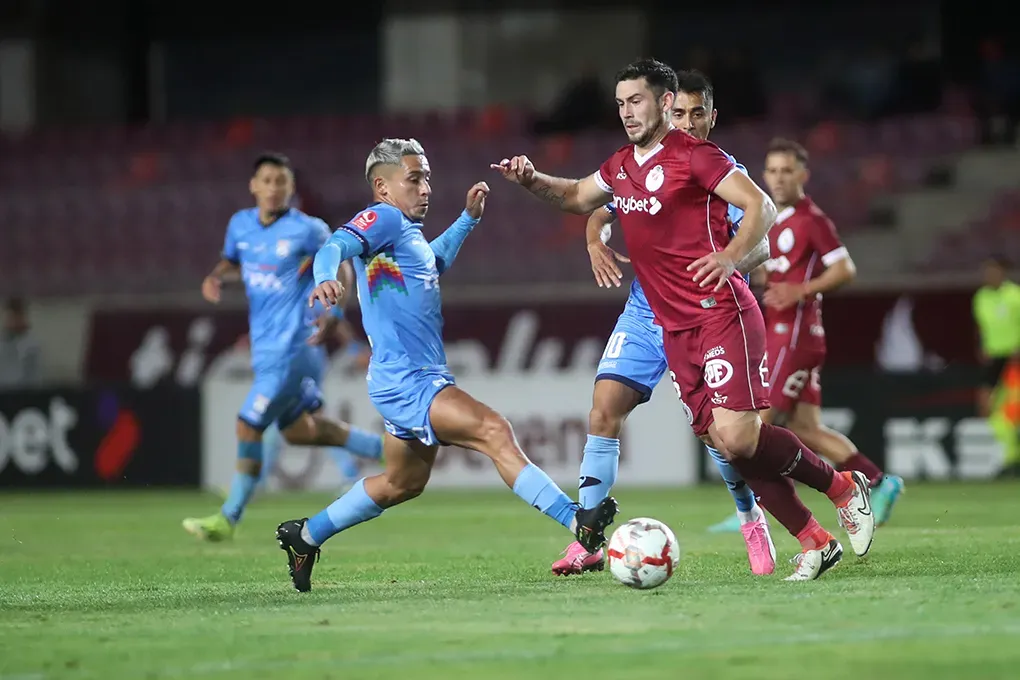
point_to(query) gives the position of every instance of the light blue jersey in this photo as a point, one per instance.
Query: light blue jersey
(275, 268)
(634, 355)
(398, 288)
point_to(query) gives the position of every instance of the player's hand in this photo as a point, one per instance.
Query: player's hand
(518, 169)
(211, 286)
(603, 264)
(714, 268)
(475, 205)
(782, 295)
(328, 293)
(325, 326)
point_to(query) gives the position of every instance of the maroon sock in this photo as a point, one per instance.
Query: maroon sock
(777, 495)
(862, 463)
(779, 450)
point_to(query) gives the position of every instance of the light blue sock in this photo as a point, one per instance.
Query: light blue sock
(535, 488)
(599, 466)
(364, 444)
(243, 486)
(354, 507)
(272, 442)
(343, 459)
(741, 492)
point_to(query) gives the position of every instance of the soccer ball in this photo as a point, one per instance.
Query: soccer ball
(643, 553)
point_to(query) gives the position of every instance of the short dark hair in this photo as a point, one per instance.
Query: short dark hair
(660, 77)
(781, 145)
(277, 160)
(693, 81)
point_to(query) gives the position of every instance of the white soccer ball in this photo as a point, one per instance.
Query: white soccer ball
(643, 553)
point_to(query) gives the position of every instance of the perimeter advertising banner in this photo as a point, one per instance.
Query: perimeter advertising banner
(549, 414)
(919, 426)
(99, 438)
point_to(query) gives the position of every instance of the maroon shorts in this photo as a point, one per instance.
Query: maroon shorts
(795, 373)
(720, 364)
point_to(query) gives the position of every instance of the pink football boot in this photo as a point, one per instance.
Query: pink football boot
(761, 553)
(577, 560)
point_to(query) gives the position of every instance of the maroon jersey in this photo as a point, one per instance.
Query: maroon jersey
(803, 243)
(670, 218)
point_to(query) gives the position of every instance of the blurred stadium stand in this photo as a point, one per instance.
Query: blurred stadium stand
(100, 210)
(114, 178)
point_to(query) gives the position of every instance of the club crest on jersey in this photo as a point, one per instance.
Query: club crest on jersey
(655, 178)
(365, 220)
(282, 248)
(785, 240)
(621, 174)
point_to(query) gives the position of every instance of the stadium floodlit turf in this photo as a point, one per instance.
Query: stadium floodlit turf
(457, 585)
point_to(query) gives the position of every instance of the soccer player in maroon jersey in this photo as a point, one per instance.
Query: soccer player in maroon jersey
(807, 260)
(671, 192)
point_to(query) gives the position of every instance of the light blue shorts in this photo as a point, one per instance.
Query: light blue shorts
(634, 354)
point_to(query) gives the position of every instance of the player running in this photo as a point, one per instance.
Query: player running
(672, 193)
(269, 247)
(634, 362)
(408, 380)
(345, 461)
(808, 259)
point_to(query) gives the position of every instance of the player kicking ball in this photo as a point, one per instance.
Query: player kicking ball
(269, 247)
(634, 362)
(672, 192)
(408, 381)
(807, 260)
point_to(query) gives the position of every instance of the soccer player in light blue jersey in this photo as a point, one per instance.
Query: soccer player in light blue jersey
(269, 247)
(634, 361)
(344, 460)
(408, 381)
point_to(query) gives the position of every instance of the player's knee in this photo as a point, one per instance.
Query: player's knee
(247, 433)
(715, 450)
(405, 486)
(302, 432)
(603, 421)
(495, 431)
(738, 439)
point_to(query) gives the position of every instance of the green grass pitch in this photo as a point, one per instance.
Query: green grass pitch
(457, 585)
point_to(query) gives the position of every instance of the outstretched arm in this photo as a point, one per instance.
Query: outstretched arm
(578, 196)
(447, 245)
